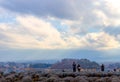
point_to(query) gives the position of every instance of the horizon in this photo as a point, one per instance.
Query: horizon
(53, 61)
(57, 29)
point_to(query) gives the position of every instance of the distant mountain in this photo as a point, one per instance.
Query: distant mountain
(40, 65)
(39, 61)
(113, 65)
(63, 64)
(67, 64)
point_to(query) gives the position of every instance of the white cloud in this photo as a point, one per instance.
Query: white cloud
(80, 17)
(102, 41)
(32, 32)
(77, 14)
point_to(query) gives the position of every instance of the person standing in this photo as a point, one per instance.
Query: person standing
(74, 67)
(78, 67)
(102, 67)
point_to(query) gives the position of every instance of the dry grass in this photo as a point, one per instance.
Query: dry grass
(61, 77)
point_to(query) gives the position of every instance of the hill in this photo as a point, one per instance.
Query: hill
(113, 65)
(67, 64)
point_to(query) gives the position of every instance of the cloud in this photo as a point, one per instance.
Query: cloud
(80, 16)
(65, 9)
(29, 32)
(55, 8)
(102, 41)
(33, 32)
(85, 24)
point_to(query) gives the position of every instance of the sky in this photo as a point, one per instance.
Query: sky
(57, 29)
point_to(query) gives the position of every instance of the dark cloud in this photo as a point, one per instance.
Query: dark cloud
(58, 8)
(69, 9)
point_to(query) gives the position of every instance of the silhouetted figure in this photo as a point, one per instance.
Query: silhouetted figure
(78, 67)
(114, 70)
(102, 67)
(74, 67)
(63, 70)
